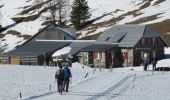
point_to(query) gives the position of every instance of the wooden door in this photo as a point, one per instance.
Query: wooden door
(14, 60)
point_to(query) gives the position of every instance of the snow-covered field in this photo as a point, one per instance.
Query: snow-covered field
(131, 83)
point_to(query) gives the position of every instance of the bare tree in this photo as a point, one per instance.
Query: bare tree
(38, 2)
(58, 9)
(59, 14)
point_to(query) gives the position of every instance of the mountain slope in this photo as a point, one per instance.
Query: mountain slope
(141, 12)
(156, 13)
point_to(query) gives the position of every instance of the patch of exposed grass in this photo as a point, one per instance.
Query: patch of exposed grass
(166, 38)
(18, 34)
(28, 0)
(158, 2)
(117, 10)
(108, 23)
(146, 4)
(13, 32)
(32, 12)
(30, 9)
(24, 7)
(26, 36)
(3, 40)
(46, 22)
(18, 42)
(134, 13)
(146, 19)
(114, 20)
(37, 6)
(1, 35)
(26, 19)
(163, 28)
(91, 31)
(34, 17)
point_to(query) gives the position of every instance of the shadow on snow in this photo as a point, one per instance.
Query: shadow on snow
(39, 96)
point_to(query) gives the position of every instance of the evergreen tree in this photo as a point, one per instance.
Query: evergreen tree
(80, 13)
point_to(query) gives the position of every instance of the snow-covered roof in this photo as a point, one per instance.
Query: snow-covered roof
(63, 51)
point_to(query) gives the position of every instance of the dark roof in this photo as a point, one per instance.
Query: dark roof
(37, 48)
(31, 38)
(77, 46)
(67, 31)
(126, 35)
(98, 47)
(85, 46)
(150, 33)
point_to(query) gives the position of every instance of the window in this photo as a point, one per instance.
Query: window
(143, 41)
(157, 40)
(147, 41)
(150, 41)
(144, 55)
(153, 54)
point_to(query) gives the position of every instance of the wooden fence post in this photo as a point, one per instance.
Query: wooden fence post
(20, 95)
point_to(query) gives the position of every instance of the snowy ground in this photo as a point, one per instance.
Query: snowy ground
(33, 83)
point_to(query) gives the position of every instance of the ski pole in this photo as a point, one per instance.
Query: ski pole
(70, 80)
(54, 84)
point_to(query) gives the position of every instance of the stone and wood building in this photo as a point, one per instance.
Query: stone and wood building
(34, 52)
(134, 41)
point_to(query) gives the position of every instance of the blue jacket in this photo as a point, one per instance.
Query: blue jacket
(67, 72)
(146, 62)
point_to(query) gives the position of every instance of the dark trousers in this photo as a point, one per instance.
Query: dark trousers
(145, 67)
(154, 66)
(66, 83)
(60, 85)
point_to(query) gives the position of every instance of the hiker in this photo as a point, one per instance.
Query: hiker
(145, 64)
(154, 64)
(60, 78)
(67, 76)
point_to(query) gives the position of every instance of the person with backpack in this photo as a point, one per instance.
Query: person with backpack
(67, 76)
(59, 76)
